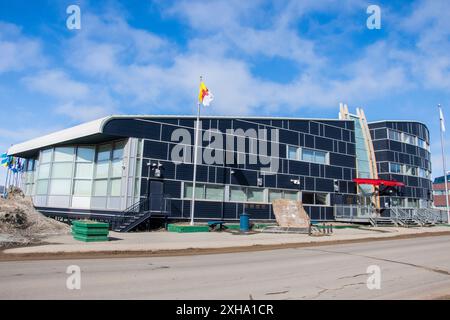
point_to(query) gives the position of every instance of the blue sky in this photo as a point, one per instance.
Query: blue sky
(280, 58)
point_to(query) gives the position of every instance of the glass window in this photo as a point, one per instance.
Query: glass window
(84, 170)
(314, 156)
(255, 195)
(46, 156)
(100, 188)
(42, 187)
(397, 202)
(60, 187)
(308, 155)
(199, 191)
(420, 143)
(64, 154)
(102, 170)
(137, 187)
(291, 195)
(30, 165)
(139, 148)
(321, 157)
(321, 198)
(410, 170)
(422, 173)
(118, 150)
(188, 190)
(85, 154)
(395, 167)
(115, 187)
(44, 171)
(62, 170)
(292, 153)
(308, 198)
(82, 188)
(394, 135)
(214, 192)
(104, 152)
(237, 194)
(117, 168)
(275, 194)
(407, 138)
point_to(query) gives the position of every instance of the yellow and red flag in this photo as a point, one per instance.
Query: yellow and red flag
(205, 96)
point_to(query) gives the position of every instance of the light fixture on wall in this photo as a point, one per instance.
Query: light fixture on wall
(336, 185)
(156, 167)
(259, 181)
(295, 181)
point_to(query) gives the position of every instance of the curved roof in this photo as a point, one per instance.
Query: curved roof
(81, 131)
(93, 131)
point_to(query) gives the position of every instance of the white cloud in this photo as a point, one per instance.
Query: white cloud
(83, 113)
(18, 52)
(154, 76)
(56, 83)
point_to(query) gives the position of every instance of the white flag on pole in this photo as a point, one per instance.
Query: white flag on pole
(441, 117)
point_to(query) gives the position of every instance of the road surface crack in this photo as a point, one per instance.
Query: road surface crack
(325, 290)
(432, 269)
(354, 276)
(279, 292)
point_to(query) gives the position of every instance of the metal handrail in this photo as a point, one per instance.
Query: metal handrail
(145, 206)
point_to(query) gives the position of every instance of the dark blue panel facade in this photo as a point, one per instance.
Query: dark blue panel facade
(402, 153)
(304, 172)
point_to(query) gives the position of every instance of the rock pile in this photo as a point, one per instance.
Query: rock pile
(22, 223)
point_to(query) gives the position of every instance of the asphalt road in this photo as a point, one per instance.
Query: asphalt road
(410, 269)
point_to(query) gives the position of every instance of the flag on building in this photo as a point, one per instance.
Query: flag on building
(441, 117)
(4, 160)
(205, 96)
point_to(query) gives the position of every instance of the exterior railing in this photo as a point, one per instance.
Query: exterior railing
(154, 204)
(353, 212)
(420, 215)
(399, 215)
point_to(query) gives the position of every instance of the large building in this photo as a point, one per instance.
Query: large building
(116, 167)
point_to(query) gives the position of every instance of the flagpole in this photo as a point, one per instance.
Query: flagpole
(6, 182)
(194, 180)
(443, 161)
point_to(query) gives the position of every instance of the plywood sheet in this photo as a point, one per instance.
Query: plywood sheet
(290, 214)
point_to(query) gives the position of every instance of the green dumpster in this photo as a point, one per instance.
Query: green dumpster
(90, 231)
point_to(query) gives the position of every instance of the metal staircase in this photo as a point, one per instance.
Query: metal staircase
(382, 222)
(397, 216)
(405, 218)
(140, 212)
(412, 217)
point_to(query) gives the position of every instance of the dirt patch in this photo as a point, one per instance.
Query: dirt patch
(21, 224)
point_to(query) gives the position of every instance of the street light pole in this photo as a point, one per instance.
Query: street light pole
(442, 129)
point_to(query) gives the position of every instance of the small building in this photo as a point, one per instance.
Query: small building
(439, 191)
(115, 167)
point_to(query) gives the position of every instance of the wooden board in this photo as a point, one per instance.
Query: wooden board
(290, 214)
